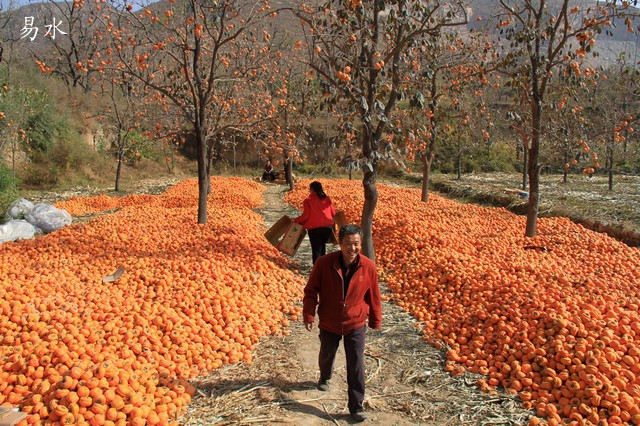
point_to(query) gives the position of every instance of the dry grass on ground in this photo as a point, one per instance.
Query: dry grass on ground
(586, 200)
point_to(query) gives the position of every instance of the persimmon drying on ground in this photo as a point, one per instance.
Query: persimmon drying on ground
(552, 318)
(77, 350)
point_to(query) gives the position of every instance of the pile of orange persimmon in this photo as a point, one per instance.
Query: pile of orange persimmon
(553, 318)
(77, 350)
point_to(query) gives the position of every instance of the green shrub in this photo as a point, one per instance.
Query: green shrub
(500, 159)
(41, 175)
(391, 169)
(476, 158)
(319, 170)
(69, 152)
(139, 147)
(630, 164)
(41, 129)
(33, 111)
(8, 187)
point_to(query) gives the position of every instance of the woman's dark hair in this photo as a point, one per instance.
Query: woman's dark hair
(317, 188)
(349, 229)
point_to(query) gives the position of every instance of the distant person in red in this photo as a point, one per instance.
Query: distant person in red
(343, 290)
(317, 219)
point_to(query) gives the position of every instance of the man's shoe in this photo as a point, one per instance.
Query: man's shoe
(359, 416)
(323, 385)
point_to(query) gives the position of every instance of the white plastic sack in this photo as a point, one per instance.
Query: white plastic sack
(48, 218)
(19, 208)
(16, 230)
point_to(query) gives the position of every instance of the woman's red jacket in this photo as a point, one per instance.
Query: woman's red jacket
(317, 212)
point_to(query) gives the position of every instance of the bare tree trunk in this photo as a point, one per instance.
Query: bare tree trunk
(235, 170)
(288, 170)
(118, 171)
(203, 176)
(626, 130)
(566, 169)
(429, 155)
(534, 168)
(459, 159)
(13, 154)
(525, 163)
(610, 165)
(209, 160)
(120, 157)
(370, 201)
(327, 154)
(427, 160)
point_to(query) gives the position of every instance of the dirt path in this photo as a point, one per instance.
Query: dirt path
(406, 383)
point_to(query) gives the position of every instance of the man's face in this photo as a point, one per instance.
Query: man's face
(350, 246)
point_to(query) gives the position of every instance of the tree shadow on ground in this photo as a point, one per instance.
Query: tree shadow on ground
(273, 390)
(218, 388)
(311, 410)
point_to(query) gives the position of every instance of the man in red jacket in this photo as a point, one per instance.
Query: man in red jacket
(344, 287)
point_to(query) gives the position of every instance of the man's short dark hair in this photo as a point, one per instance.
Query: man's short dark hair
(349, 229)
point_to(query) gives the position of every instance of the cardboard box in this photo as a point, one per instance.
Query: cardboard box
(334, 237)
(292, 239)
(275, 233)
(340, 219)
(9, 417)
(286, 235)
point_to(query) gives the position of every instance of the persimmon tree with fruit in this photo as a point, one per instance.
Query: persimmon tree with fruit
(294, 97)
(199, 56)
(445, 66)
(166, 129)
(613, 120)
(7, 15)
(569, 132)
(614, 125)
(362, 52)
(543, 37)
(242, 113)
(568, 127)
(459, 132)
(75, 43)
(122, 110)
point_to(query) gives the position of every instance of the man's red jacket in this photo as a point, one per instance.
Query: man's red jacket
(338, 314)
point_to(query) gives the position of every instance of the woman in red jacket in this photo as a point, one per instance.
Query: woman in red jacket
(317, 219)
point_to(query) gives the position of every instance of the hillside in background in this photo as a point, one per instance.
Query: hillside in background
(80, 109)
(481, 14)
(608, 48)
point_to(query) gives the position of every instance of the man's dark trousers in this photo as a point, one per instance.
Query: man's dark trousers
(354, 351)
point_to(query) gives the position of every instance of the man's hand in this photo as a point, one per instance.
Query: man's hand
(308, 326)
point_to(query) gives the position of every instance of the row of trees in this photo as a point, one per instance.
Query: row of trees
(399, 76)
(373, 53)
